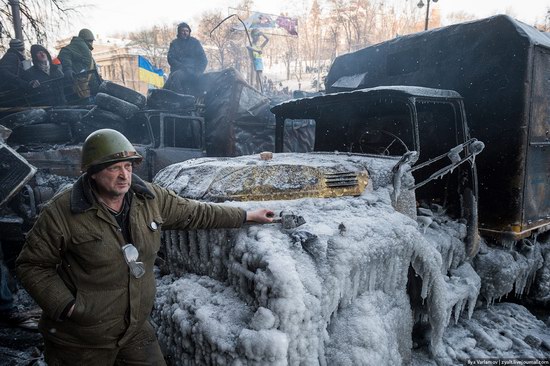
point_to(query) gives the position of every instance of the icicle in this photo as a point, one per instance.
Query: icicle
(372, 278)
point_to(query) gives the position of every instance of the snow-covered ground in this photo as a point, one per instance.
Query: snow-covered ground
(350, 287)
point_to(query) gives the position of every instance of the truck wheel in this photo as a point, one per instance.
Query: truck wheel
(169, 100)
(99, 118)
(115, 105)
(29, 117)
(41, 133)
(69, 116)
(80, 131)
(124, 93)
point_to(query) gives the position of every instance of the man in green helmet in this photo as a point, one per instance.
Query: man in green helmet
(79, 66)
(88, 261)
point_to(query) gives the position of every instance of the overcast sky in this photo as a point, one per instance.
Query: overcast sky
(107, 16)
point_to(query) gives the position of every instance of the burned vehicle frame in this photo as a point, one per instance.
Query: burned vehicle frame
(396, 121)
(357, 209)
(161, 137)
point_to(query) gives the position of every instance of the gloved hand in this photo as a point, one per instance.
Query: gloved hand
(34, 84)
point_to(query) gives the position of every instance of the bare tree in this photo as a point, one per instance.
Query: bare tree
(221, 34)
(40, 19)
(311, 36)
(546, 25)
(153, 43)
(290, 55)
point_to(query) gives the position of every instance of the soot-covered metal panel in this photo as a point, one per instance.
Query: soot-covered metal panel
(489, 62)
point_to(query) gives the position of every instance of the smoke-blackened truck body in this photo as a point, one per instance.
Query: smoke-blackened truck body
(501, 67)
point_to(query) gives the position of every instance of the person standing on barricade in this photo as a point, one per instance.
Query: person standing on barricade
(79, 68)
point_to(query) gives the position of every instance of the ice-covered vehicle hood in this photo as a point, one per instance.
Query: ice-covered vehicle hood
(285, 176)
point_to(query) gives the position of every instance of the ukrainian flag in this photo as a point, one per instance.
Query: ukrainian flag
(149, 74)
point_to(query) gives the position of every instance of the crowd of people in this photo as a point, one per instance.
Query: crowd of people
(73, 78)
(70, 77)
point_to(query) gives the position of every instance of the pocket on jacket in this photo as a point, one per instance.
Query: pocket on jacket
(95, 307)
(92, 250)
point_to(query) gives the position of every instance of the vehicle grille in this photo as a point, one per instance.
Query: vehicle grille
(346, 179)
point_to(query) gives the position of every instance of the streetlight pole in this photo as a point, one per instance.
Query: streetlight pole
(16, 19)
(421, 5)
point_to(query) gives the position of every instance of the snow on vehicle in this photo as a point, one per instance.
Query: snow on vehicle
(270, 295)
(364, 247)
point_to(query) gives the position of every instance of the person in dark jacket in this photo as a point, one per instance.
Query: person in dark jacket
(12, 86)
(79, 67)
(187, 61)
(88, 261)
(50, 78)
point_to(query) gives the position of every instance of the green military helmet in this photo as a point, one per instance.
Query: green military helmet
(86, 35)
(107, 146)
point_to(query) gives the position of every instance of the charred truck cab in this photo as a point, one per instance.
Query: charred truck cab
(425, 127)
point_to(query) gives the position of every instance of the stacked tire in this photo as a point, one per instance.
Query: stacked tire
(115, 105)
(34, 126)
(163, 99)
(119, 100)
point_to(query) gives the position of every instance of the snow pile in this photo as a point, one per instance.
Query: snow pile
(503, 330)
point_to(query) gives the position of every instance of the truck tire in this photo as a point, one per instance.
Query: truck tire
(168, 100)
(69, 116)
(41, 133)
(29, 117)
(124, 93)
(80, 131)
(115, 105)
(99, 118)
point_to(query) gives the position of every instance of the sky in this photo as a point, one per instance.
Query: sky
(105, 17)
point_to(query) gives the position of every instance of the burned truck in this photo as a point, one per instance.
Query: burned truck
(500, 66)
(396, 142)
(351, 238)
(347, 259)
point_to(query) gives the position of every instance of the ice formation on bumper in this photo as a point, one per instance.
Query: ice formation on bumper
(329, 292)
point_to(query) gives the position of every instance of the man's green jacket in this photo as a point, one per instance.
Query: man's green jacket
(73, 255)
(76, 56)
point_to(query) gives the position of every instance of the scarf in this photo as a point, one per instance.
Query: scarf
(44, 66)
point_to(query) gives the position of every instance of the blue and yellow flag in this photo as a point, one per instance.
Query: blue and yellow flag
(150, 74)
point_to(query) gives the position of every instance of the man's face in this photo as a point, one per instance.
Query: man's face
(184, 33)
(41, 56)
(115, 180)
